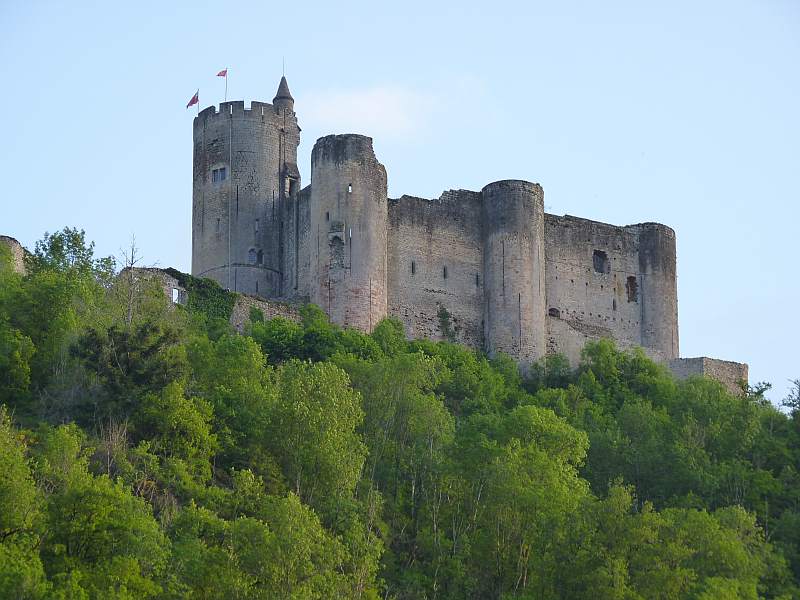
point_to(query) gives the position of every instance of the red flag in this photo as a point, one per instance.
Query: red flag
(223, 73)
(195, 99)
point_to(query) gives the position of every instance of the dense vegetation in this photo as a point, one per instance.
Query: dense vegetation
(149, 452)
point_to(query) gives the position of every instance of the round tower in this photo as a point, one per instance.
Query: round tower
(245, 172)
(659, 289)
(349, 221)
(513, 271)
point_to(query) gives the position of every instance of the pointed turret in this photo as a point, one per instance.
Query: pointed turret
(283, 99)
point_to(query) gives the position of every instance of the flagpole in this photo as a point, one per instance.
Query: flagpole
(198, 100)
(226, 84)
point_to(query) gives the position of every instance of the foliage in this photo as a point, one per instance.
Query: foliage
(206, 297)
(153, 453)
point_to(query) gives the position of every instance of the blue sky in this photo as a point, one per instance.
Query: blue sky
(686, 113)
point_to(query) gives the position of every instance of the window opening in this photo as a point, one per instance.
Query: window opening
(260, 257)
(251, 256)
(444, 271)
(413, 267)
(632, 289)
(600, 262)
(218, 175)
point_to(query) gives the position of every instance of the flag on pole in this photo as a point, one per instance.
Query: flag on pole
(224, 73)
(195, 99)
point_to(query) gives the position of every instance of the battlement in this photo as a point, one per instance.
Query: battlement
(236, 108)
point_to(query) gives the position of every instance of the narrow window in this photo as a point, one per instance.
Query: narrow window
(632, 288)
(413, 267)
(327, 216)
(260, 257)
(257, 223)
(217, 225)
(477, 280)
(251, 256)
(600, 262)
(349, 188)
(444, 271)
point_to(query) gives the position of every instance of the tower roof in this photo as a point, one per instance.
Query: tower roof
(283, 91)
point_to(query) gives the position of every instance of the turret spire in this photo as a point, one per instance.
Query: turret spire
(283, 99)
(283, 91)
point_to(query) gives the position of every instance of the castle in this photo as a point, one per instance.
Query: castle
(487, 269)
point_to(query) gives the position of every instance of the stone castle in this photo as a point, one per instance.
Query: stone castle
(488, 269)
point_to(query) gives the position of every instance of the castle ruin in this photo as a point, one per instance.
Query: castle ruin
(488, 269)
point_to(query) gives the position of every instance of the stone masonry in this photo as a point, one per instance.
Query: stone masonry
(17, 253)
(487, 269)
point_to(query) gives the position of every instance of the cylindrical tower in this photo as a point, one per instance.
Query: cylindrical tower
(659, 290)
(513, 272)
(349, 223)
(245, 169)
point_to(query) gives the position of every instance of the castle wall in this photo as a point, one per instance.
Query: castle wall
(425, 237)
(513, 268)
(591, 295)
(729, 373)
(240, 216)
(348, 218)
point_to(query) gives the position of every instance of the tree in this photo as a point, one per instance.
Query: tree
(312, 433)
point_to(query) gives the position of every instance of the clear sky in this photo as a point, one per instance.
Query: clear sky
(681, 112)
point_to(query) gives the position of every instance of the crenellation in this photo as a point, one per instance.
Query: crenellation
(488, 269)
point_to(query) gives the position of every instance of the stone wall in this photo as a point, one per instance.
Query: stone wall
(592, 282)
(729, 373)
(17, 253)
(240, 316)
(610, 281)
(427, 237)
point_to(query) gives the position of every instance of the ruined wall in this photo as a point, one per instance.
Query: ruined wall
(240, 316)
(436, 266)
(348, 218)
(513, 269)
(241, 215)
(17, 253)
(593, 284)
(729, 373)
